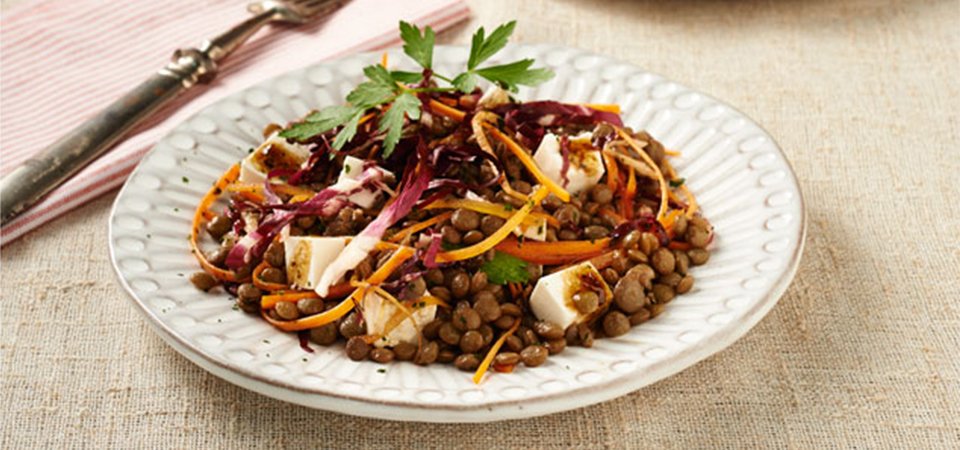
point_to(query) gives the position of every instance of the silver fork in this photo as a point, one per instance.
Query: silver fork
(28, 183)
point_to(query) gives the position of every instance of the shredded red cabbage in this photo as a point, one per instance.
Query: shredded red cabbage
(531, 119)
(565, 154)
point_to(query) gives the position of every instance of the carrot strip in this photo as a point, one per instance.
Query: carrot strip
(505, 185)
(529, 163)
(211, 196)
(629, 195)
(495, 238)
(402, 234)
(383, 60)
(446, 111)
(692, 205)
(493, 352)
(280, 188)
(476, 124)
(663, 183)
(677, 245)
(269, 301)
(397, 318)
(265, 285)
(613, 170)
(671, 152)
(491, 209)
(403, 308)
(640, 167)
(339, 290)
(605, 107)
(616, 217)
(670, 220)
(380, 275)
(553, 253)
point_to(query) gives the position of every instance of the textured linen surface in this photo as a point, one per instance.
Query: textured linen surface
(861, 352)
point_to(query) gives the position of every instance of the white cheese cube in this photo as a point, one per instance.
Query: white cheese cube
(377, 312)
(351, 179)
(537, 232)
(586, 165)
(274, 152)
(307, 257)
(552, 297)
(493, 97)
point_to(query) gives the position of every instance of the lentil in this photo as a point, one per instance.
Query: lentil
(357, 348)
(615, 324)
(203, 281)
(534, 355)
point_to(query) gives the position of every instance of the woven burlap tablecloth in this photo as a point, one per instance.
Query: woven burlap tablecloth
(862, 351)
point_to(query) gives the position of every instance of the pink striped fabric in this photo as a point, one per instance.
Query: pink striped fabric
(64, 60)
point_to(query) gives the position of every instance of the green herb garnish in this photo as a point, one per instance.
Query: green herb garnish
(385, 88)
(505, 268)
(677, 182)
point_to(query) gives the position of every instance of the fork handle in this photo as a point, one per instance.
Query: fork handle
(40, 174)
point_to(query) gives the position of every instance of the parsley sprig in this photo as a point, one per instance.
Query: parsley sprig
(396, 91)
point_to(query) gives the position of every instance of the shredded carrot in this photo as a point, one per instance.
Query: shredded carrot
(642, 168)
(529, 163)
(670, 219)
(446, 111)
(553, 253)
(692, 205)
(383, 60)
(677, 245)
(366, 118)
(380, 275)
(491, 209)
(339, 290)
(605, 107)
(495, 238)
(402, 234)
(613, 215)
(663, 183)
(403, 308)
(629, 195)
(613, 170)
(280, 188)
(479, 119)
(671, 152)
(269, 301)
(493, 352)
(265, 285)
(397, 318)
(208, 199)
(505, 185)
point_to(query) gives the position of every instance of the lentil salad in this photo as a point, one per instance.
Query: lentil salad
(431, 223)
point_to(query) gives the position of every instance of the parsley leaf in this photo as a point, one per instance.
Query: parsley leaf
(406, 104)
(482, 49)
(418, 46)
(516, 73)
(380, 89)
(677, 182)
(348, 131)
(319, 122)
(406, 77)
(466, 82)
(504, 268)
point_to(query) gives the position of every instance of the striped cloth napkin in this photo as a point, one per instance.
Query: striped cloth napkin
(63, 61)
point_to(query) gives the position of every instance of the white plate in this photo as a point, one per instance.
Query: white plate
(741, 178)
